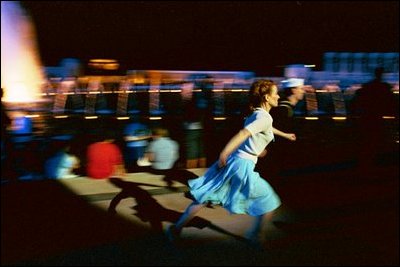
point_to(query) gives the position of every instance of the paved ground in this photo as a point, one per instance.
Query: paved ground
(340, 216)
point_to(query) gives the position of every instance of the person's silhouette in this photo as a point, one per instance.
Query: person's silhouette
(370, 104)
(6, 122)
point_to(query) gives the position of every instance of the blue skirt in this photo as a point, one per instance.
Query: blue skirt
(237, 187)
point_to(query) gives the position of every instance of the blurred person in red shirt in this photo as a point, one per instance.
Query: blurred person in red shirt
(104, 158)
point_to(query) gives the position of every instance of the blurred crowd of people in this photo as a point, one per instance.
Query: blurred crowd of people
(104, 151)
(176, 144)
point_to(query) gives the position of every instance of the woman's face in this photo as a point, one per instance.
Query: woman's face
(273, 97)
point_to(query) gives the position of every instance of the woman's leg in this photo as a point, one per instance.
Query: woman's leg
(256, 233)
(189, 213)
(175, 229)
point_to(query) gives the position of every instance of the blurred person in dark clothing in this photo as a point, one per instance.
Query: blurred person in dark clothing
(283, 116)
(193, 127)
(370, 104)
(293, 93)
(374, 99)
(5, 125)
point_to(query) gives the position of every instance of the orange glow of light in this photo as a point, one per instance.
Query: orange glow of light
(105, 64)
(21, 72)
(102, 60)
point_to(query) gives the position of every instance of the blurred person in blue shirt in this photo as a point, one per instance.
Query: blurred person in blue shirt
(162, 152)
(61, 164)
(136, 136)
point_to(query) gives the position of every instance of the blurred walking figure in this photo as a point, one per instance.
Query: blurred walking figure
(370, 104)
(283, 116)
(194, 136)
(136, 136)
(5, 125)
(232, 181)
(162, 153)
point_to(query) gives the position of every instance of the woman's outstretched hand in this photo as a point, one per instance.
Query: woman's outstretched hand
(291, 136)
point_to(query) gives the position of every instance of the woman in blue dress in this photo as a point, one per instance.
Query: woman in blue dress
(231, 181)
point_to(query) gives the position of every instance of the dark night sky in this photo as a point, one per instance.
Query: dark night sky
(212, 35)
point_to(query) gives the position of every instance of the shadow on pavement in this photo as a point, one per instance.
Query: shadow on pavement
(343, 216)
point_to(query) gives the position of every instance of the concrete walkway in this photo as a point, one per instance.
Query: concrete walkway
(340, 217)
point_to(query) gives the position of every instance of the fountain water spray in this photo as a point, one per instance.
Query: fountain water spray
(21, 72)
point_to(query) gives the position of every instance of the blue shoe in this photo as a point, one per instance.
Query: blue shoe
(171, 233)
(253, 241)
